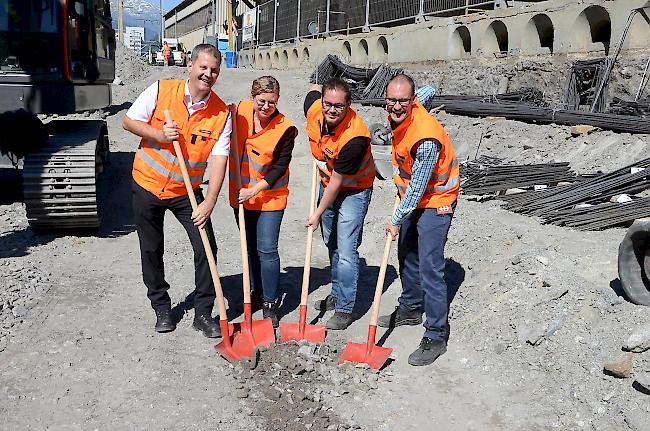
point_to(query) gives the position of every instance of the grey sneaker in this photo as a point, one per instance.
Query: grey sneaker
(339, 320)
(400, 317)
(428, 352)
(327, 304)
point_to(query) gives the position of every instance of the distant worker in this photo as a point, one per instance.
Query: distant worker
(167, 53)
(427, 179)
(340, 143)
(265, 143)
(202, 126)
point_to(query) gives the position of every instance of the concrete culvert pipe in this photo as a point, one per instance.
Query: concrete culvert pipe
(634, 262)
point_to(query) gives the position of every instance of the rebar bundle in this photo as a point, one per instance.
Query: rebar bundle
(365, 83)
(469, 106)
(503, 177)
(624, 107)
(564, 204)
(470, 168)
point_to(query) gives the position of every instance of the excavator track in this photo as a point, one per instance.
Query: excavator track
(60, 181)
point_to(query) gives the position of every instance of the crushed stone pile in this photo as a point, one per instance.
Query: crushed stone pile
(292, 386)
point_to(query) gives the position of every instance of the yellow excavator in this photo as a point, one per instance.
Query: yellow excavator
(57, 57)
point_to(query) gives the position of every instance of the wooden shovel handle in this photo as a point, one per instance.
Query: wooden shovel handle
(382, 274)
(234, 156)
(306, 270)
(221, 305)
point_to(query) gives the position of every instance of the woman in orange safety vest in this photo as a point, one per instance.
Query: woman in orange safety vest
(265, 140)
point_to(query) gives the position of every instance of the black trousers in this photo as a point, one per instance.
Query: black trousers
(149, 214)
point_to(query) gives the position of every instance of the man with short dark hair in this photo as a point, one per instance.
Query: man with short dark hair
(202, 127)
(427, 179)
(340, 143)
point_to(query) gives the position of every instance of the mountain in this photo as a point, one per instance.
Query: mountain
(139, 13)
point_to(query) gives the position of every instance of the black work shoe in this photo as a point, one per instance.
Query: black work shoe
(164, 321)
(400, 317)
(339, 320)
(428, 351)
(206, 324)
(327, 304)
(270, 311)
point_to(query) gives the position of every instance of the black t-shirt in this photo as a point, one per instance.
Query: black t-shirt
(352, 153)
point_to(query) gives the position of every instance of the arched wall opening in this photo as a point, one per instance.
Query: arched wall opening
(496, 38)
(639, 34)
(461, 43)
(381, 49)
(360, 56)
(347, 52)
(593, 26)
(539, 35)
(284, 60)
(294, 60)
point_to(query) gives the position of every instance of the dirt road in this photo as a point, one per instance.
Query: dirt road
(81, 352)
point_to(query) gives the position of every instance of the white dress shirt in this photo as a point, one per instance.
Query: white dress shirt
(143, 107)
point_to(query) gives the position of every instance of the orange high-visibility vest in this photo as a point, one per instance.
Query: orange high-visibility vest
(155, 167)
(167, 51)
(325, 149)
(444, 184)
(255, 152)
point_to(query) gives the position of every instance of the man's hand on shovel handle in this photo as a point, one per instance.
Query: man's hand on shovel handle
(392, 230)
(313, 221)
(170, 132)
(202, 214)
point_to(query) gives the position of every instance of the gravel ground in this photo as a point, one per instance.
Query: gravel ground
(537, 310)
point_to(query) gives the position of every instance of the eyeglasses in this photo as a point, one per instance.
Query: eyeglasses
(403, 102)
(337, 106)
(261, 102)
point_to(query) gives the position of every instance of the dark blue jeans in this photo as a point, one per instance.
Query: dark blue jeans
(262, 232)
(342, 229)
(421, 255)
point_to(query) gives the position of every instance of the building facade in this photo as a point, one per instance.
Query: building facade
(191, 21)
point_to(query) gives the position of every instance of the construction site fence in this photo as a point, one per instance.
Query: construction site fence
(289, 20)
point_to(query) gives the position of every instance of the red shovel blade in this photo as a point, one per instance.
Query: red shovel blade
(225, 348)
(373, 355)
(369, 353)
(301, 330)
(260, 332)
(292, 331)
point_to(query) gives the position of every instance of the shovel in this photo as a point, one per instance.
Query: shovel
(301, 330)
(369, 353)
(225, 348)
(252, 333)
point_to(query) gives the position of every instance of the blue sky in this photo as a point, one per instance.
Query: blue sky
(168, 4)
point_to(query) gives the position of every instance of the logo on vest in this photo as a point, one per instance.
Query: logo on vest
(446, 209)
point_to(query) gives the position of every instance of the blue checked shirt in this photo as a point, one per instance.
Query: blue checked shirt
(426, 158)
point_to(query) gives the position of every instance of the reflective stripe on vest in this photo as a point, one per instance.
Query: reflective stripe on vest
(171, 158)
(166, 172)
(156, 167)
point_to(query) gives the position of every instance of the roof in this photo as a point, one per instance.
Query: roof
(179, 7)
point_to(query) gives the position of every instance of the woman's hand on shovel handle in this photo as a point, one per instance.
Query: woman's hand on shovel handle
(392, 230)
(313, 221)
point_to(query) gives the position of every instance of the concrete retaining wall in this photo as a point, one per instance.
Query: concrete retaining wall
(544, 28)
